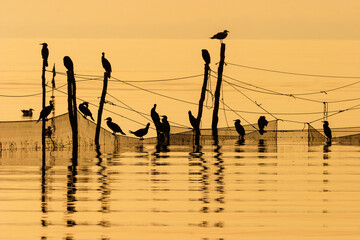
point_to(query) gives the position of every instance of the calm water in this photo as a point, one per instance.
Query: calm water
(259, 191)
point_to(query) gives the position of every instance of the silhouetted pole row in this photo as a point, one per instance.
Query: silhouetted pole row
(206, 57)
(215, 118)
(101, 106)
(72, 107)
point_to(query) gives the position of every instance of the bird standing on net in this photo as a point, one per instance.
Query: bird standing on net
(240, 129)
(113, 126)
(327, 131)
(106, 65)
(46, 111)
(220, 35)
(166, 128)
(141, 132)
(262, 123)
(27, 113)
(84, 109)
(45, 53)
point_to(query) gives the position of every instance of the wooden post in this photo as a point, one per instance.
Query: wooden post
(53, 101)
(43, 105)
(215, 119)
(72, 108)
(101, 106)
(202, 96)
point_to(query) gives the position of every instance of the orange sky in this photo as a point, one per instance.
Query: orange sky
(259, 19)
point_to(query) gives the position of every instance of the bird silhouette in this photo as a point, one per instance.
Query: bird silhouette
(46, 111)
(68, 64)
(106, 65)
(327, 131)
(141, 132)
(156, 118)
(262, 123)
(193, 121)
(165, 124)
(206, 56)
(27, 113)
(113, 126)
(220, 35)
(45, 53)
(84, 109)
(239, 128)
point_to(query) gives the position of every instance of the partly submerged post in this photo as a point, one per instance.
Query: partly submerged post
(215, 119)
(101, 106)
(206, 57)
(45, 55)
(72, 108)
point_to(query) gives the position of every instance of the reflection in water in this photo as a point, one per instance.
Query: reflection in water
(262, 145)
(71, 193)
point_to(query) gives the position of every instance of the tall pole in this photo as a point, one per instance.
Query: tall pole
(215, 118)
(101, 106)
(206, 57)
(43, 105)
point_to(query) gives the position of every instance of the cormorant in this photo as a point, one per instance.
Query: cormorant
(45, 53)
(193, 121)
(106, 65)
(165, 124)
(27, 113)
(262, 123)
(84, 108)
(68, 64)
(239, 128)
(156, 118)
(46, 111)
(113, 126)
(327, 130)
(206, 56)
(220, 35)
(141, 132)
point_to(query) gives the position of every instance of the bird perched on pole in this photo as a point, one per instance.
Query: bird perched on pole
(193, 121)
(113, 126)
(84, 109)
(46, 111)
(327, 131)
(206, 56)
(68, 64)
(45, 53)
(106, 65)
(220, 35)
(262, 123)
(239, 128)
(141, 132)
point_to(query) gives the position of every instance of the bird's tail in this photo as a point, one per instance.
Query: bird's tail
(38, 120)
(122, 133)
(46, 62)
(131, 132)
(92, 118)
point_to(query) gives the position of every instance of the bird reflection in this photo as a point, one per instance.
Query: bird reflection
(262, 145)
(84, 109)
(71, 193)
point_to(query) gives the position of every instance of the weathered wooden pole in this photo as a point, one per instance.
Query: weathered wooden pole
(53, 100)
(101, 106)
(206, 57)
(215, 118)
(72, 108)
(43, 84)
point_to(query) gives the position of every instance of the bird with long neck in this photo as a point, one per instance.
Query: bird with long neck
(45, 53)
(193, 121)
(113, 126)
(141, 132)
(106, 65)
(46, 111)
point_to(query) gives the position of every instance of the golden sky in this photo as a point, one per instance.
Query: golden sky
(256, 19)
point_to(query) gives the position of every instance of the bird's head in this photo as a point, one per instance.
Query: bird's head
(31, 109)
(86, 103)
(226, 31)
(108, 119)
(148, 125)
(164, 117)
(51, 102)
(326, 122)
(103, 54)
(189, 112)
(44, 44)
(237, 120)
